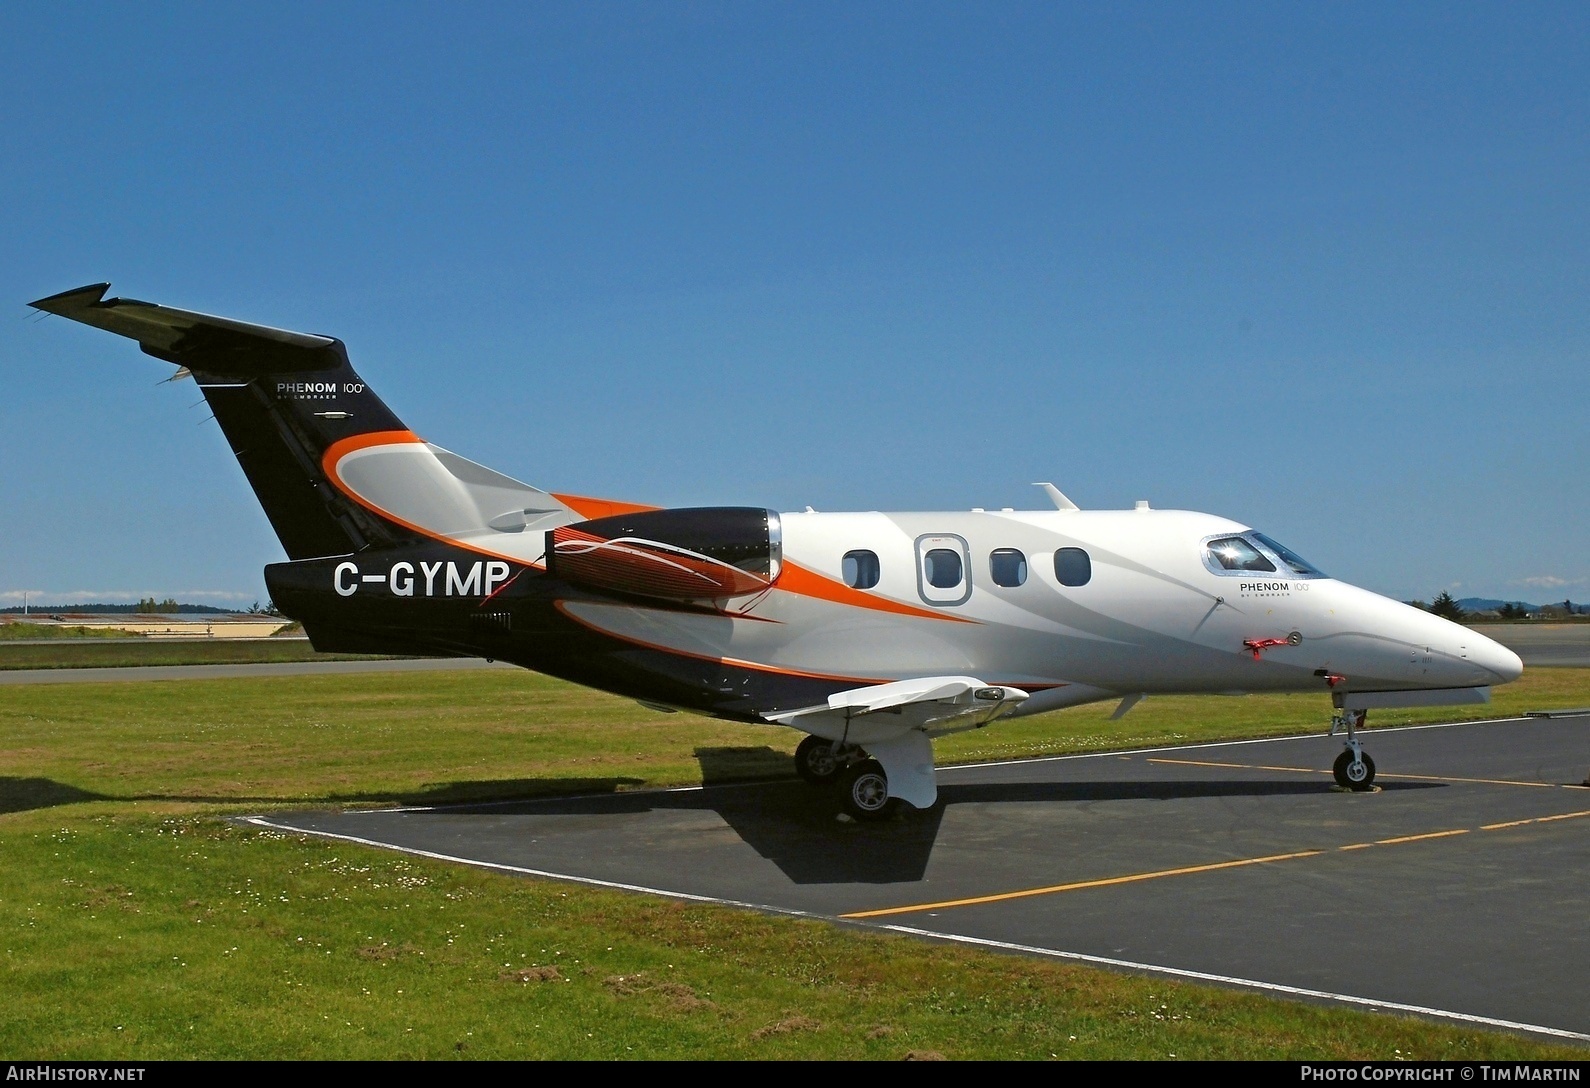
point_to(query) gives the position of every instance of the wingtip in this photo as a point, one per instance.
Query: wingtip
(76, 299)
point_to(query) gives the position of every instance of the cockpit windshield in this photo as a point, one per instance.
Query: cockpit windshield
(1234, 553)
(1255, 553)
(1301, 566)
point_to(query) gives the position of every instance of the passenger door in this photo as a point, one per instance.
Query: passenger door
(943, 569)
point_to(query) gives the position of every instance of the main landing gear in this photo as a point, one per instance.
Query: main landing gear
(817, 762)
(1354, 770)
(863, 785)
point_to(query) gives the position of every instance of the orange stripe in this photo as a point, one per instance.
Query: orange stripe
(340, 449)
(344, 446)
(794, 578)
(591, 509)
(585, 507)
(562, 606)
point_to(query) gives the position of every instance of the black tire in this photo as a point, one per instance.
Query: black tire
(1349, 777)
(815, 761)
(864, 791)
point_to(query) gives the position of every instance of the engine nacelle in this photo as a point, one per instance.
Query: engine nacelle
(692, 554)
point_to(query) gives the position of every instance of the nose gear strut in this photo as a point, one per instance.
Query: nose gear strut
(1354, 770)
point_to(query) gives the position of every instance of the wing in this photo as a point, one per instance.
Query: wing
(895, 723)
(934, 704)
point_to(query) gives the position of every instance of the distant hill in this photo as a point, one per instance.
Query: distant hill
(128, 609)
(1490, 604)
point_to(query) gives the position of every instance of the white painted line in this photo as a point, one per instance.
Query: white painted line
(1221, 744)
(940, 769)
(1229, 980)
(958, 938)
(521, 870)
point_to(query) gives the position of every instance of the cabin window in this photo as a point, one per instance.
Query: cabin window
(942, 568)
(1234, 553)
(1072, 567)
(861, 569)
(1008, 567)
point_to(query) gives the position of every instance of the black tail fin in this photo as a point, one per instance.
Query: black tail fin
(282, 399)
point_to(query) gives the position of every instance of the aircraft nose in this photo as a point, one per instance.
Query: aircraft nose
(1458, 656)
(1495, 658)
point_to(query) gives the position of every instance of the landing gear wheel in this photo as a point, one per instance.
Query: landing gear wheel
(864, 791)
(816, 761)
(1352, 774)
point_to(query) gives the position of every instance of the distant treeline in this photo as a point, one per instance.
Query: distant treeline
(167, 606)
(1477, 608)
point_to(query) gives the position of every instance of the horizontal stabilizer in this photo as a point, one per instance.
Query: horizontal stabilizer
(215, 345)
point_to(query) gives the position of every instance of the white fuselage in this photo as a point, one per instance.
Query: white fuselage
(1152, 616)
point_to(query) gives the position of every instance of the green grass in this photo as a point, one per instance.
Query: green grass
(468, 735)
(137, 922)
(87, 653)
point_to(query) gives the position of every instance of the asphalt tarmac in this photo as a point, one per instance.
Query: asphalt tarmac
(1544, 645)
(1457, 890)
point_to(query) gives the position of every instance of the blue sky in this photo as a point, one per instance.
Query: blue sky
(1320, 268)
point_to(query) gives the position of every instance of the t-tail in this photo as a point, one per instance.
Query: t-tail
(336, 471)
(338, 474)
(283, 399)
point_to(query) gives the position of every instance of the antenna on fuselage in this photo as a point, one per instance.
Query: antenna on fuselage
(1057, 497)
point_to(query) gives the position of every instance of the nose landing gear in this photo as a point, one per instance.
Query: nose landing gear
(1354, 770)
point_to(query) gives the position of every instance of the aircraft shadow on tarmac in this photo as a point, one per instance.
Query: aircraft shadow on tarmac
(26, 794)
(790, 823)
(796, 827)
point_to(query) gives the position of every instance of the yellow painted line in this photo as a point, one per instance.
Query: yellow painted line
(1056, 888)
(1509, 823)
(1481, 781)
(1536, 820)
(1414, 777)
(1418, 838)
(1237, 766)
(1564, 816)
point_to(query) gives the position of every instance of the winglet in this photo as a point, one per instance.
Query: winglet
(1059, 500)
(78, 298)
